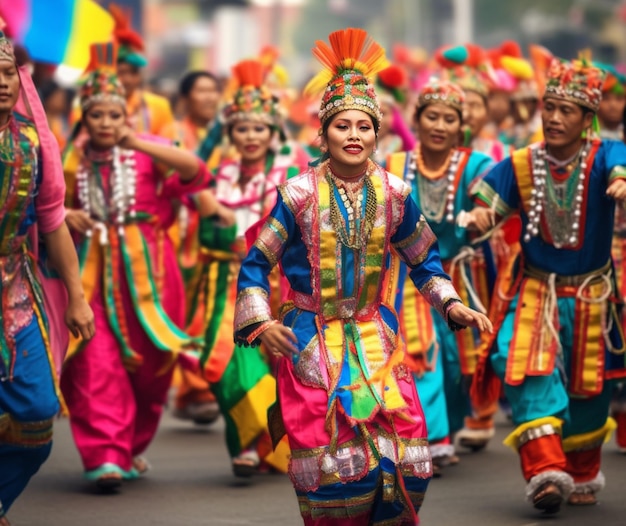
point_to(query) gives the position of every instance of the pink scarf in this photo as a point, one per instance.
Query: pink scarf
(49, 205)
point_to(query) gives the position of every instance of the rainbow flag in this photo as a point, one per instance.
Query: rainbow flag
(57, 31)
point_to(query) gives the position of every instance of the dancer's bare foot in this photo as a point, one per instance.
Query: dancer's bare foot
(582, 499)
(141, 465)
(4, 522)
(548, 498)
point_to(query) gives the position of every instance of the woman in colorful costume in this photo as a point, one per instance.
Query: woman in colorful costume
(241, 378)
(560, 343)
(200, 92)
(440, 175)
(346, 401)
(468, 67)
(32, 190)
(119, 205)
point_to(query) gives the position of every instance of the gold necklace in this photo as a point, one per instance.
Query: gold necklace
(353, 233)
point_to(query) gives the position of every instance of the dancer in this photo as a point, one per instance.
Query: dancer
(32, 198)
(200, 93)
(119, 205)
(440, 175)
(241, 378)
(560, 341)
(345, 400)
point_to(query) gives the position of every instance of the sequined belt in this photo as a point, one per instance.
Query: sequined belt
(568, 281)
(343, 309)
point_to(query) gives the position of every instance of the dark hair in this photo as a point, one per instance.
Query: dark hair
(420, 110)
(49, 87)
(189, 80)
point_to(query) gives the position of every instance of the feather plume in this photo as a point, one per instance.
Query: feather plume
(350, 49)
(103, 56)
(249, 73)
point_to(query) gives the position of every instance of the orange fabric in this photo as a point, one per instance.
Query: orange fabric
(482, 417)
(542, 454)
(192, 389)
(584, 465)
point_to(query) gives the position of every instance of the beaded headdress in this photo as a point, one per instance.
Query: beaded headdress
(6, 49)
(130, 44)
(577, 81)
(102, 83)
(350, 64)
(252, 99)
(438, 91)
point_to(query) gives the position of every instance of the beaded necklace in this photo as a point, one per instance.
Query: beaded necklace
(123, 184)
(354, 232)
(432, 191)
(559, 202)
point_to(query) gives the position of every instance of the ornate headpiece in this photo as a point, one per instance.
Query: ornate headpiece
(439, 91)
(130, 44)
(252, 100)
(468, 67)
(615, 82)
(102, 83)
(350, 63)
(577, 81)
(6, 49)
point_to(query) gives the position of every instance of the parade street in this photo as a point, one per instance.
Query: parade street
(191, 484)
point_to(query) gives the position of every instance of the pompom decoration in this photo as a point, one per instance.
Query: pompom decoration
(510, 48)
(123, 32)
(393, 79)
(520, 68)
(131, 46)
(350, 64)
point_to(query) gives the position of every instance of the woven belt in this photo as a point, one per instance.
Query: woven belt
(567, 281)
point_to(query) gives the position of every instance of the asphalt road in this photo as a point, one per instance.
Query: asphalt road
(191, 484)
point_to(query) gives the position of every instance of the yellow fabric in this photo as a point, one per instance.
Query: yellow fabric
(380, 379)
(533, 347)
(250, 413)
(279, 458)
(396, 163)
(589, 345)
(591, 439)
(146, 302)
(523, 174)
(90, 278)
(512, 440)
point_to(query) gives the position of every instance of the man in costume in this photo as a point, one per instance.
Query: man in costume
(560, 342)
(32, 190)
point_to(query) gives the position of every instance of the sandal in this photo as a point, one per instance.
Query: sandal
(582, 499)
(548, 498)
(108, 482)
(246, 464)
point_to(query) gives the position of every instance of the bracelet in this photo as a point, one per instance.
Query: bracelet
(261, 328)
(452, 325)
